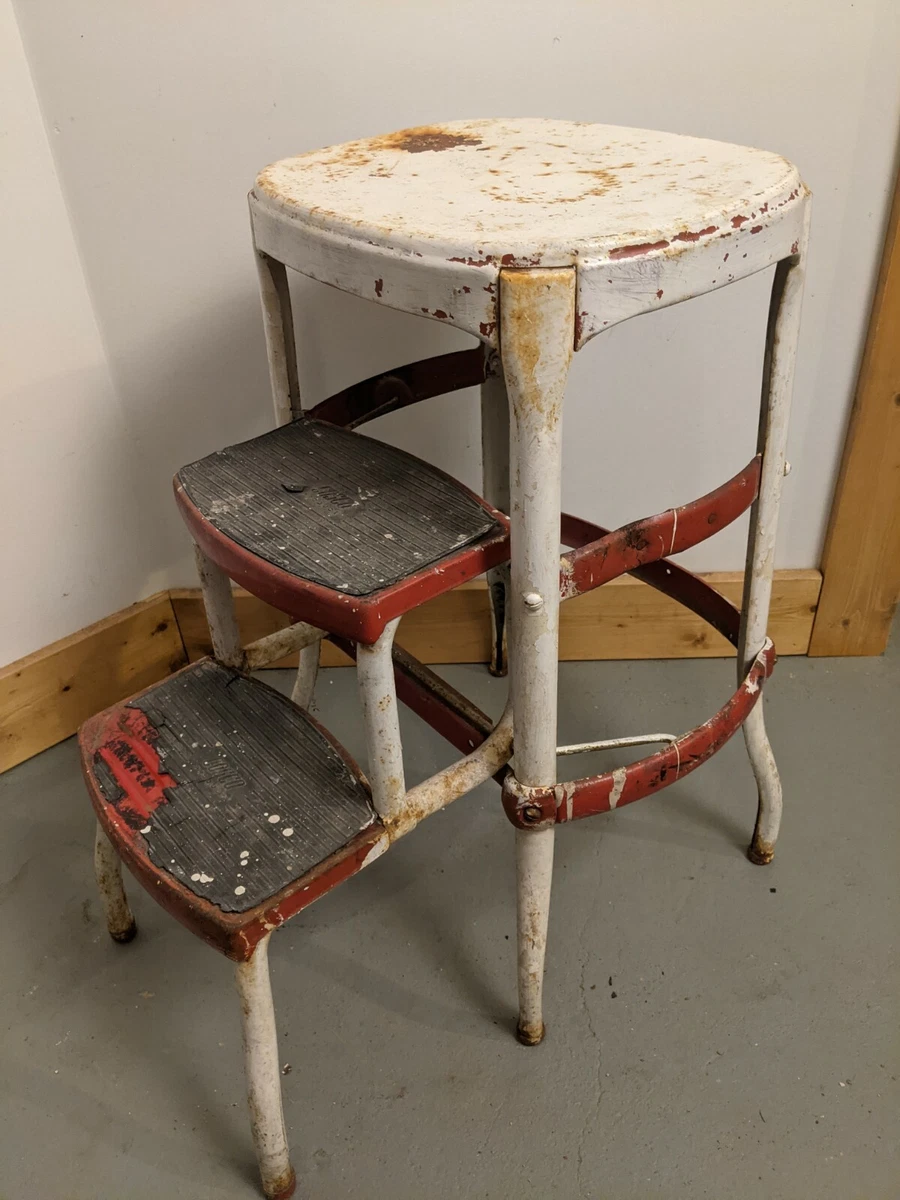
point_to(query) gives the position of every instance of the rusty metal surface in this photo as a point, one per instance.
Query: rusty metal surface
(533, 807)
(333, 507)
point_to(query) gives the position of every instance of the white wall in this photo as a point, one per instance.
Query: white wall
(162, 114)
(66, 534)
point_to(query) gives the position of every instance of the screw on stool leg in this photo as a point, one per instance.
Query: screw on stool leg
(108, 870)
(264, 1074)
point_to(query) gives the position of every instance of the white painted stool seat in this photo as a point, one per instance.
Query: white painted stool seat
(424, 219)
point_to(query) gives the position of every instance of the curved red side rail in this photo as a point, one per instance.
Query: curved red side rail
(530, 808)
(595, 562)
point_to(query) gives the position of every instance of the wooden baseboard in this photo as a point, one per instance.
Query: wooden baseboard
(623, 619)
(46, 696)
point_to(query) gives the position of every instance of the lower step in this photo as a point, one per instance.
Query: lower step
(226, 800)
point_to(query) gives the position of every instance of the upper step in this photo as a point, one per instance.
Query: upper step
(232, 806)
(335, 527)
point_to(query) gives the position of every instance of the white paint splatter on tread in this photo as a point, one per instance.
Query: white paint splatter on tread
(274, 819)
(239, 891)
(287, 832)
(146, 829)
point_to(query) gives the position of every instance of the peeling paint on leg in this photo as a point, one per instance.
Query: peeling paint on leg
(618, 786)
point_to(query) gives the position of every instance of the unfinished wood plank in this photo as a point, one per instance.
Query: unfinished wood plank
(623, 619)
(861, 563)
(45, 696)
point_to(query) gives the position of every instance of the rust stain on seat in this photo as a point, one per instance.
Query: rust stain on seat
(423, 138)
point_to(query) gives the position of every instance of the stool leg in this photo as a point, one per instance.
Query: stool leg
(781, 350)
(378, 696)
(264, 1074)
(495, 489)
(307, 673)
(218, 603)
(281, 349)
(537, 314)
(108, 871)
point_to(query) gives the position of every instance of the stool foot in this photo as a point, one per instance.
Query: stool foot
(307, 671)
(263, 1074)
(534, 866)
(287, 1190)
(108, 872)
(531, 1036)
(768, 819)
(126, 935)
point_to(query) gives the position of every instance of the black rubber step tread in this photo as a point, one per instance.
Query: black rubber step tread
(260, 795)
(335, 507)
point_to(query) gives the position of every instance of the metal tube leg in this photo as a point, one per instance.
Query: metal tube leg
(307, 673)
(495, 489)
(537, 314)
(281, 346)
(781, 349)
(264, 1074)
(218, 603)
(378, 696)
(108, 870)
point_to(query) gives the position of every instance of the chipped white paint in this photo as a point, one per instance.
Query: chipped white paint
(108, 873)
(262, 1070)
(567, 586)
(459, 778)
(537, 324)
(424, 219)
(378, 696)
(618, 786)
(218, 602)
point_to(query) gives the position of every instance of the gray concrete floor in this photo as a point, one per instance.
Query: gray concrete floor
(715, 1029)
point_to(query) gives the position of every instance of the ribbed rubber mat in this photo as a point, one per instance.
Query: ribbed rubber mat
(252, 797)
(334, 507)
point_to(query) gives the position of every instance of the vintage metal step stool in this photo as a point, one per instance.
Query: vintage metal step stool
(230, 803)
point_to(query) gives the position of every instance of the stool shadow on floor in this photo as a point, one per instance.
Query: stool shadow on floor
(418, 915)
